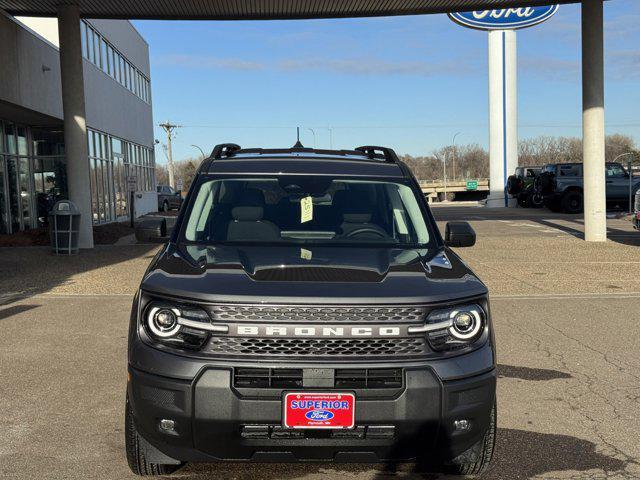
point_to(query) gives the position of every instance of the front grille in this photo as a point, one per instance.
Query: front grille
(314, 347)
(310, 314)
(368, 378)
(267, 377)
(288, 378)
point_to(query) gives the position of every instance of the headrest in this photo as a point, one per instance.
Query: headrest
(247, 214)
(357, 217)
(252, 196)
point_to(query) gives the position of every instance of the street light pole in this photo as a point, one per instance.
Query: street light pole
(314, 136)
(201, 151)
(454, 155)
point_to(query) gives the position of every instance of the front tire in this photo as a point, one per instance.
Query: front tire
(486, 448)
(572, 202)
(135, 456)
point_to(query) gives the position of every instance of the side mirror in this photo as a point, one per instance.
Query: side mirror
(459, 234)
(151, 230)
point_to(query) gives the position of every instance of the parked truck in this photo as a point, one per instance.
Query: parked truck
(562, 184)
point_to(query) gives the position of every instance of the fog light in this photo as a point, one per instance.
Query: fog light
(462, 425)
(167, 426)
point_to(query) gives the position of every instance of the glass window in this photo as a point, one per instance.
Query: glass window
(25, 192)
(13, 193)
(121, 67)
(103, 54)
(615, 170)
(96, 46)
(342, 212)
(83, 38)
(4, 218)
(47, 141)
(10, 138)
(110, 59)
(90, 49)
(23, 147)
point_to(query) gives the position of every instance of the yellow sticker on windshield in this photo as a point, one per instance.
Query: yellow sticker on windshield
(306, 209)
(306, 254)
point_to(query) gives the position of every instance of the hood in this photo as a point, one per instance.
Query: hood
(291, 274)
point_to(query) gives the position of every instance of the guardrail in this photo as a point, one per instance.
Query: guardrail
(433, 187)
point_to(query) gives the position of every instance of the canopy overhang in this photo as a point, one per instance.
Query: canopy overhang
(258, 9)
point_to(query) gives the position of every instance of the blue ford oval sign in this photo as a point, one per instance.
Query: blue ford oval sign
(504, 18)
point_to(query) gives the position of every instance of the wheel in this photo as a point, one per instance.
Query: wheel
(165, 206)
(536, 200)
(553, 205)
(523, 200)
(572, 202)
(135, 456)
(514, 185)
(484, 449)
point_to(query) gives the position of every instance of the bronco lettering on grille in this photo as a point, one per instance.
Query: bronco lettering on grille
(316, 331)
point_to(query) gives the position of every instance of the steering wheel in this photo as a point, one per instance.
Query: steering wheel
(359, 231)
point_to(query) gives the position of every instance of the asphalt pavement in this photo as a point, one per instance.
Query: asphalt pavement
(564, 313)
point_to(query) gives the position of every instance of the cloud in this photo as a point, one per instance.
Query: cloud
(623, 65)
(620, 66)
(547, 68)
(360, 66)
(206, 62)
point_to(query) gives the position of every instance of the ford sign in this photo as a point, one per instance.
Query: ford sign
(319, 415)
(504, 18)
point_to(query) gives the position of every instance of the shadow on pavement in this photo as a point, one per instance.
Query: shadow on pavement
(519, 454)
(14, 310)
(29, 271)
(533, 374)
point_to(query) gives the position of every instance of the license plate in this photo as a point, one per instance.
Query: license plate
(319, 410)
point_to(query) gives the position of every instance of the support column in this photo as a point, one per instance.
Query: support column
(75, 126)
(593, 136)
(503, 114)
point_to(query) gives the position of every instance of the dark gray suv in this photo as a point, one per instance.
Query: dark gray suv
(306, 308)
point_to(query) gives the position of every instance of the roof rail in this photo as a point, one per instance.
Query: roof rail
(387, 154)
(224, 150)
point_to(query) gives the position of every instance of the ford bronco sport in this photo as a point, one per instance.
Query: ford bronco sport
(306, 308)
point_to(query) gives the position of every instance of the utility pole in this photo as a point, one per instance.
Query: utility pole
(169, 128)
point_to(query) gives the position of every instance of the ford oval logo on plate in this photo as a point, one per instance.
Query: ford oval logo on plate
(319, 415)
(504, 18)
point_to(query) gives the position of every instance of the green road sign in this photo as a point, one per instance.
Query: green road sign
(472, 185)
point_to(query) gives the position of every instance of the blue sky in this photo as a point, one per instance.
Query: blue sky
(406, 82)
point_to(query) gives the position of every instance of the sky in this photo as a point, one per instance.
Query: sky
(410, 82)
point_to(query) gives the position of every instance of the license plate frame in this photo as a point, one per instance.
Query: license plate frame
(302, 418)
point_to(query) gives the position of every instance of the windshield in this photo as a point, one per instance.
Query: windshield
(306, 210)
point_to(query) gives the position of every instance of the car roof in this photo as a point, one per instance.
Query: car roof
(305, 161)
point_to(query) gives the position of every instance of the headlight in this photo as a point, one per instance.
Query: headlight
(179, 325)
(455, 327)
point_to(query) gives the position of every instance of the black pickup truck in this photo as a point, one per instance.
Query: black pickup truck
(561, 185)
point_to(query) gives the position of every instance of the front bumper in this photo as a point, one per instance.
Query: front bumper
(216, 421)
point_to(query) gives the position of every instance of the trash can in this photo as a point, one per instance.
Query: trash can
(64, 225)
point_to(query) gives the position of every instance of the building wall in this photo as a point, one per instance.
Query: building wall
(29, 70)
(109, 105)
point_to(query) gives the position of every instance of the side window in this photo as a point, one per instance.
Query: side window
(615, 171)
(159, 189)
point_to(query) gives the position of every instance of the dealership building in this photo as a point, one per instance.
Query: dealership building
(116, 92)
